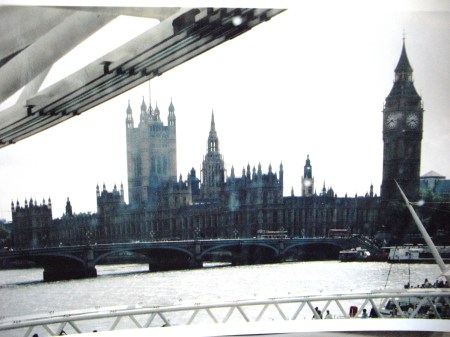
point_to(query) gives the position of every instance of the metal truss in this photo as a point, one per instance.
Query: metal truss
(175, 40)
(427, 303)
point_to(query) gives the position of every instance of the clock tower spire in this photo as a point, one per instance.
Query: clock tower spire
(307, 179)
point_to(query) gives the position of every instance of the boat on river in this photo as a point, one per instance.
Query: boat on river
(359, 254)
(417, 254)
(354, 255)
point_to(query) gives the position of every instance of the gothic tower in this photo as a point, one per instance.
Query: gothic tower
(213, 167)
(307, 179)
(31, 224)
(151, 154)
(68, 208)
(402, 135)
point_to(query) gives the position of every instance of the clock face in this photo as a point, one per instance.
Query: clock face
(412, 120)
(391, 121)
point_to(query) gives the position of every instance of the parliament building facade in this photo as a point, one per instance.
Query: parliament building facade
(214, 204)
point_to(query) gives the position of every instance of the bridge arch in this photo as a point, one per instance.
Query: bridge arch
(228, 245)
(43, 259)
(315, 244)
(306, 251)
(66, 256)
(111, 252)
(144, 251)
(244, 253)
(61, 266)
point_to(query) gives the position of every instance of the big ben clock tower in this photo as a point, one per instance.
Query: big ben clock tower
(402, 137)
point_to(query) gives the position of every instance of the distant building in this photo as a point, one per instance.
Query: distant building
(218, 205)
(435, 184)
(31, 223)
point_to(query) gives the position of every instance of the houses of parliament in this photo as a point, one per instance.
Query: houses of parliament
(211, 204)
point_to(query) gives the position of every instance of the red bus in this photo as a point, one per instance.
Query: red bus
(338, 233)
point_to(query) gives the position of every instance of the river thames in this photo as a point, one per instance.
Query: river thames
(22, 292)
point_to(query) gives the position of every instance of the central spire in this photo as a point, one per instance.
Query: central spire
(213, 140)
(213, 124)
(213, 167)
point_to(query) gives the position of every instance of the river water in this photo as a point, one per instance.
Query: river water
(22, 292)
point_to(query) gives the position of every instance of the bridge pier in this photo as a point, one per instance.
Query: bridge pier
(71, 271)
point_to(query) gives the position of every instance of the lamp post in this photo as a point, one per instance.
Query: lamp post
(87, 236)
(197, 233)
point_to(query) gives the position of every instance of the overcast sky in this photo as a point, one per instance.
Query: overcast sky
(309, 81)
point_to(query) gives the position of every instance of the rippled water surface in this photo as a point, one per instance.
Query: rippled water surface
(22, 292)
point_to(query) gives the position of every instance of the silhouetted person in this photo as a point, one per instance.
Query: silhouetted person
(319, 313)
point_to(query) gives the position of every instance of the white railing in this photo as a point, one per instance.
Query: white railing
(423, 303)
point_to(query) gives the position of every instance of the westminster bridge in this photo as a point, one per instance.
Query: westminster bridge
(72, 262)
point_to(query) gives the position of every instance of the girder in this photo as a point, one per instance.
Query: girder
(47, 49)
(175, 40)
(21, 26)
(144, 251)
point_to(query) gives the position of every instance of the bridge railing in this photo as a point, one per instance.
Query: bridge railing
(424, 303)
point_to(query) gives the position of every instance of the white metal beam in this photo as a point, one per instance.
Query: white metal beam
(159, 13)
(20, 26)
(33, 87)
(48, 49)
(177, 39)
